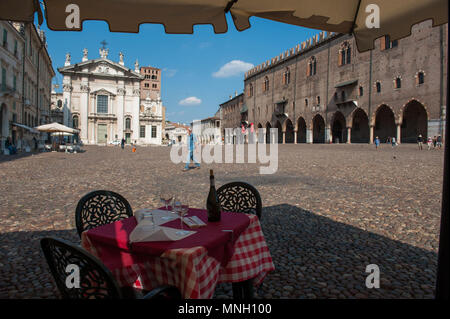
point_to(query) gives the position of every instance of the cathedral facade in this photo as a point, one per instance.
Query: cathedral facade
(102, 99)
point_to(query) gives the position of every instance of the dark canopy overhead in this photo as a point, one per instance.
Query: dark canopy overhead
(179, 16)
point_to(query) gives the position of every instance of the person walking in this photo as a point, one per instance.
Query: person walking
(429, 142)
(192, 142)
(439, 141)
(434, 142)
(377, 142)
(122, 143)
(420, 141)
(393, 142)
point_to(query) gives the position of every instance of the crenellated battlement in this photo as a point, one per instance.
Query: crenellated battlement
(298, 49)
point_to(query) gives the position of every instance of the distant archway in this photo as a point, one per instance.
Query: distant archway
(360, 127)
(338, 129)
(384, 123)
(318, 129)
(415, 122)
(4, 127)
(268, 127)
(301, 130)
(289, 138)
(280, 132)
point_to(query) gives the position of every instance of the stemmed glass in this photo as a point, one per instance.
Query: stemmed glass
(166, 197)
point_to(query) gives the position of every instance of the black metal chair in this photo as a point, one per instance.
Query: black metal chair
(95, 280)
(100, 207)
(240, 197)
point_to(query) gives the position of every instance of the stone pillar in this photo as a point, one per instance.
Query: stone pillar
(84, 112)
(120, 111)
(349, 135)
(328, 137)
(371, 134)
(295, 137)
(284, 137)
(309, 136)
(399, 133)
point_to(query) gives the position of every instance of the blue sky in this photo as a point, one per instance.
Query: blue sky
(196, 67)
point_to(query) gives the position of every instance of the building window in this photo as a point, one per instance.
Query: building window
(286, 76)
(102, 103)
(3, 87)
(250, 90)
(361, 91)
(378, 86)
(312, 66)
(75, 121)
(155, 86)
(386, 43)
(306, 102)
(266, 84)
(318, 100)
(142, 131)
(343, 95)
(345, 54)
(153, 131)
(128, 123)
(398, 83)
(420, 78)
(146, 85)
(5, 38)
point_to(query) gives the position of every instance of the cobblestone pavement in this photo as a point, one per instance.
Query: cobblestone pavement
(328, 212)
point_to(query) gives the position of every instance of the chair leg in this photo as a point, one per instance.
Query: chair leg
(248, 289)
(237, 290)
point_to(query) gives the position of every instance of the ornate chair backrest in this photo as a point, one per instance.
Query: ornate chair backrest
(100, 207)
(95, 280)
(240, 197)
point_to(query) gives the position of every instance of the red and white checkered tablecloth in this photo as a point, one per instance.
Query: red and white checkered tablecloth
(193, 271)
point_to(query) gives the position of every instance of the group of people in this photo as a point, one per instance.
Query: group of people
(9, 145)
(390, 140)
(435, 142)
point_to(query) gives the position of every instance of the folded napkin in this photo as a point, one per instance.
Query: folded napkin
(149, 229)
(159, 216)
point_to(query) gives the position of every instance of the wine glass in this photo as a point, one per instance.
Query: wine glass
(166, 197)
(182, 211)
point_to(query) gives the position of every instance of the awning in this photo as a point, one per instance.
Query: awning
(32, 130)
(244, 109)
(349, 82)
(366, 19)
(281, 102)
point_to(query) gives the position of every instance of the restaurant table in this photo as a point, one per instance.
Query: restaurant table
(195, 264)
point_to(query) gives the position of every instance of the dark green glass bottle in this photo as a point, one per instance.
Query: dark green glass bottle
(212, 202)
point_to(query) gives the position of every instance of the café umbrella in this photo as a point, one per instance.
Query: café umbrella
(367, 20)
(56, 127)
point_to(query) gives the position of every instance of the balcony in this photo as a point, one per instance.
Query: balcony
(8, 91)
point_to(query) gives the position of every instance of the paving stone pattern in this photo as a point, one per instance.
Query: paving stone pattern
(328, 212)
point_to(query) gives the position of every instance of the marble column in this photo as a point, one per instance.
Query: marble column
(295, 137)
(349, 135)
(284, 137)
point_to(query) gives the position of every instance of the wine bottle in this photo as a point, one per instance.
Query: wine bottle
(212, 202)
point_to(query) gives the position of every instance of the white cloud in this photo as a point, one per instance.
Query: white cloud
(192, 100)
(232, 68)
(169, 72)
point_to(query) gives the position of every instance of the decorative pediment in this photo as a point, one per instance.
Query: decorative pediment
(103, 92)
(100, 67)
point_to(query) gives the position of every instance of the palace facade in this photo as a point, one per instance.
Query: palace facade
(325, 91)
(103, 99)
(26, 74)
